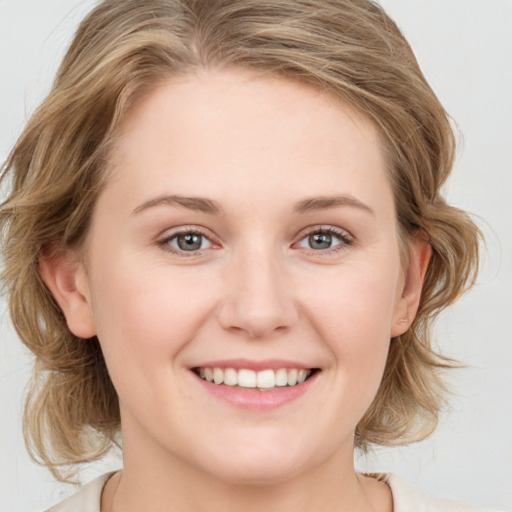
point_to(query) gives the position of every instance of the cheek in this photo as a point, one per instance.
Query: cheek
(353, 314)
(147, 316)
(356, 302)
(145, 320)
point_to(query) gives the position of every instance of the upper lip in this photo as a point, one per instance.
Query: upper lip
(250, 364)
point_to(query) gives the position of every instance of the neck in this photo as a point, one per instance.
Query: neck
(159, 483)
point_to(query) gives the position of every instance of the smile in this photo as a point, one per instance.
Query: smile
(245, 378)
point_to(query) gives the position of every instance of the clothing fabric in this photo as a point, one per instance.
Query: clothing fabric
(406, 498)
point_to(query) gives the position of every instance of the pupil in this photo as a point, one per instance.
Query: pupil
(320, 241)
(189, 242)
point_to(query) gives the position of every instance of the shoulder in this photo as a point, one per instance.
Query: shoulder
(407, 497)
(87, 499)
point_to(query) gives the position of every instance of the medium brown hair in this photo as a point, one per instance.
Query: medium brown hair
(349, 48)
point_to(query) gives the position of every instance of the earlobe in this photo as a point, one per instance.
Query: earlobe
(64, 276)
(407, 305)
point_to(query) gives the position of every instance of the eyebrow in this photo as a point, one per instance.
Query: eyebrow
(199, 204)
(211, 207)
(327, 202)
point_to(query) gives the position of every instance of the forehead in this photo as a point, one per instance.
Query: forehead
(257, 100)
(246, 129)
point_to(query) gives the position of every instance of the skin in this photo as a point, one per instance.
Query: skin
(257, 289)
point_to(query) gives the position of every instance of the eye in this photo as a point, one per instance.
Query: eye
(326, 239)
(186, 241)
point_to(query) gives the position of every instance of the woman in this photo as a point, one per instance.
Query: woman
(226, 240)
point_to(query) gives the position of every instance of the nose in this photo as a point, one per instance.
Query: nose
(258, 300)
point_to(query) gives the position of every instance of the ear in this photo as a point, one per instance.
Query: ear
(407, 303)
(65, 277)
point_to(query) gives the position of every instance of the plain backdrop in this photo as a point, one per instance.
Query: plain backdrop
(465, 50)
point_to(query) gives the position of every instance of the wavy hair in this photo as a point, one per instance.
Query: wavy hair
(124, 48)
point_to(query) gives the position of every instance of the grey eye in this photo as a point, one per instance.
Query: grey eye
(325, 239)
(189, 242)
(320, 241)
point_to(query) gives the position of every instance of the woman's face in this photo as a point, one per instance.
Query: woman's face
(248, 225)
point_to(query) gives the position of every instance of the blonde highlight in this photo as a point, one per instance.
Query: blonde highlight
(348, 48)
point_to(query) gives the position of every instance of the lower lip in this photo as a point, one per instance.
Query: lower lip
(254, 399)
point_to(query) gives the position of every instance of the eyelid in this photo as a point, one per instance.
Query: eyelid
(169, 234)
(347, 239)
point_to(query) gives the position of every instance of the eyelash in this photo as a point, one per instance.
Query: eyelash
(345, 240)
(165, 242)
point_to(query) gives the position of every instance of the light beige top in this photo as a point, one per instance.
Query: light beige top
(406, 498)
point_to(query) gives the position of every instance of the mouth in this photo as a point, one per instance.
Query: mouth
(266, 379)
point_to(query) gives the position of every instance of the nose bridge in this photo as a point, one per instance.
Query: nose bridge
(259, 298)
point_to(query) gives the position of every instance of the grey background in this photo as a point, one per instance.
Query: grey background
(465, 48)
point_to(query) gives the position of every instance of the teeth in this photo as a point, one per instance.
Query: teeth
(230, 377)
(208, 374)
(265, 379)
(281, 377)
(292, 377)
(218, 376)
(247, 378)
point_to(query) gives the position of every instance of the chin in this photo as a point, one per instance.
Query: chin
(261, 463)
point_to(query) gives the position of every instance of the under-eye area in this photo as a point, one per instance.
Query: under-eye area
(251, 379)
